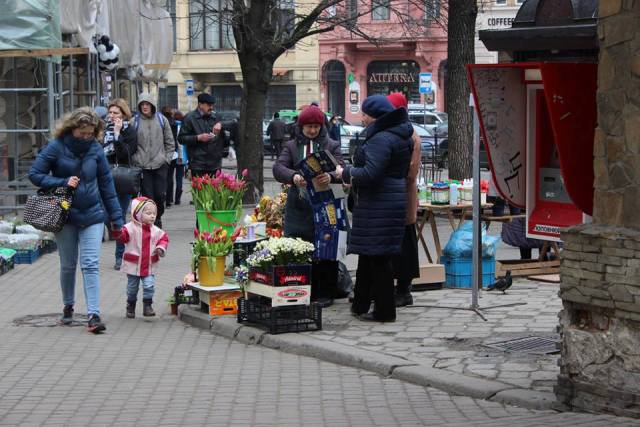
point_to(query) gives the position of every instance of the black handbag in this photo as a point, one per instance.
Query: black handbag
(126, 179)
(48, 210)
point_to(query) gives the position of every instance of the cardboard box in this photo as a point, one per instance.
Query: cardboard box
(430, 274)
(282, 275)
(219, 300)
(281, 295)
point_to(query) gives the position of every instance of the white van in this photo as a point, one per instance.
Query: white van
(429, 119)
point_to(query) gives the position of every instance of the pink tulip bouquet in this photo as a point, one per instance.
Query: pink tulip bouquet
(223, 192)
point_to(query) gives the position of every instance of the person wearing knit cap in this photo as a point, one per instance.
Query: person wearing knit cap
(144, 244)
(406, 265)
(298, 214)
(379, 184)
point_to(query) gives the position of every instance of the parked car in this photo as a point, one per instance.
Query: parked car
(441, 155)
(347, 133)
(429, 119)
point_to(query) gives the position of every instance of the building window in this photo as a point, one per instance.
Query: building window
(353, 8)
(519, 1)
(380, 10)
(431, 10)
(168, 96)
(280, 97)
(227, 100)
(501, 2)
(171, 8)
(287, 14)
(210, 24)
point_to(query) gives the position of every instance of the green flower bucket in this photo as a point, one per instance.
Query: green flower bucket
(208, 221)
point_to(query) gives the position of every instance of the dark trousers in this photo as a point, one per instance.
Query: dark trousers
(276, 146)
(324, 278)
(374, 281)
(176, 172)
(154, 186)
(406, 265)
(201, 172)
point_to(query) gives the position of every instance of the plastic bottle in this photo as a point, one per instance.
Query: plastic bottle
(429, 191)
(453, 193)
(422, 191)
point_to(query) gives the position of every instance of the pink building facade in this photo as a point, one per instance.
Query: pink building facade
(352, 68)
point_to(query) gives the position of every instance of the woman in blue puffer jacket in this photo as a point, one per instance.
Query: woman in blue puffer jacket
(75, 158)
(378, 180)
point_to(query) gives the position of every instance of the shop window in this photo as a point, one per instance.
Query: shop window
(385, 77)
(227, 99)
(431, 10)
(280, 97)
(380, 10)
(210, 24)
(168, 96)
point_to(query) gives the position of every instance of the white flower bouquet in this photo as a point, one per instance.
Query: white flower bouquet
(281, 261)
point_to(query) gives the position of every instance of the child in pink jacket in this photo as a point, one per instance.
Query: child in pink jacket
(144, 244)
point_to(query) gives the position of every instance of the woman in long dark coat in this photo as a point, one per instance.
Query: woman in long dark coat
(298, 216)
(378, 180)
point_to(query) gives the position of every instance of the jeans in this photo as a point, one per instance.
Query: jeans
(154, 186)
(176, 172)
(86, 242)
(148, 287)
(125, 201)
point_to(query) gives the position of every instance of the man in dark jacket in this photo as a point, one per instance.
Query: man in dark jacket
(201, 132)
(276, 131)
(378, 179)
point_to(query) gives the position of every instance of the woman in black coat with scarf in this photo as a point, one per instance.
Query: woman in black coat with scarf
(378, 180)
(120, 143)
(298, 216)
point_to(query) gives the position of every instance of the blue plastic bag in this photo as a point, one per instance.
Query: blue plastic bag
(460, 245)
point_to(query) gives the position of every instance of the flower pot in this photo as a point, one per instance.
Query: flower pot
(206, 277)
(210, 220)
(174, 309)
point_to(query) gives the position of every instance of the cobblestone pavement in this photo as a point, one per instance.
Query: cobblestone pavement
(163, 372)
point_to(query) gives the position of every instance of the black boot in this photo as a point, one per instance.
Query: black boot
(178, 195)
(131, 309)
(147, 310)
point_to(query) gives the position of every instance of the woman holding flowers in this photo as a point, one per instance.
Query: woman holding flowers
(298, 215)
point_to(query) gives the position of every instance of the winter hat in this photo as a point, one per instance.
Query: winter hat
(376, 106)
(311, 115)
(137, 205)
(397, 99)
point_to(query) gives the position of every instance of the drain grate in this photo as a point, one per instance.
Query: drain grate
(49, 320)
(531, 345)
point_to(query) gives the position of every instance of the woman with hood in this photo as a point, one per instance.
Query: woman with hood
(379, 181)
(298, 216)
(75, 158)
(155, 151)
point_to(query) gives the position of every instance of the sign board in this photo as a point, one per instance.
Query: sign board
(425, 83)
(189, 87)
(354, 108)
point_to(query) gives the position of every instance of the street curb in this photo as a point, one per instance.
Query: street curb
(382, 364)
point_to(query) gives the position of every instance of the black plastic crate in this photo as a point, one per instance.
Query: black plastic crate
(180, 298)
(278, 320)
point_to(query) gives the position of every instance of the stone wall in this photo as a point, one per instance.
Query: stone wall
(600, 322)
(617, 140)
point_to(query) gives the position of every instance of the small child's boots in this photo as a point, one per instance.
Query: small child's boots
(147, 310)
(131, 309)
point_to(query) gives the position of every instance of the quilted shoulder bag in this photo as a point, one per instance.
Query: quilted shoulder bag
(48, 210)
(126, 179)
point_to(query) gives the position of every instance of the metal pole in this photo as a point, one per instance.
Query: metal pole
(60, 90)
(72, 83)
(477, 224)
(50, 95)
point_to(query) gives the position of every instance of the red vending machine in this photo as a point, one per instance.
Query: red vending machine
(537, 121)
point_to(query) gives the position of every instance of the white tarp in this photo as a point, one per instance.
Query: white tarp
(141, 28)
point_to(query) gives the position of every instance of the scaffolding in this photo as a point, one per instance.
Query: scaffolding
(70, 78)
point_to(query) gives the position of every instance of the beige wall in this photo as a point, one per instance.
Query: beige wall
(204, 66)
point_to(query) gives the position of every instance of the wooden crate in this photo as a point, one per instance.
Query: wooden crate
(523, 267)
